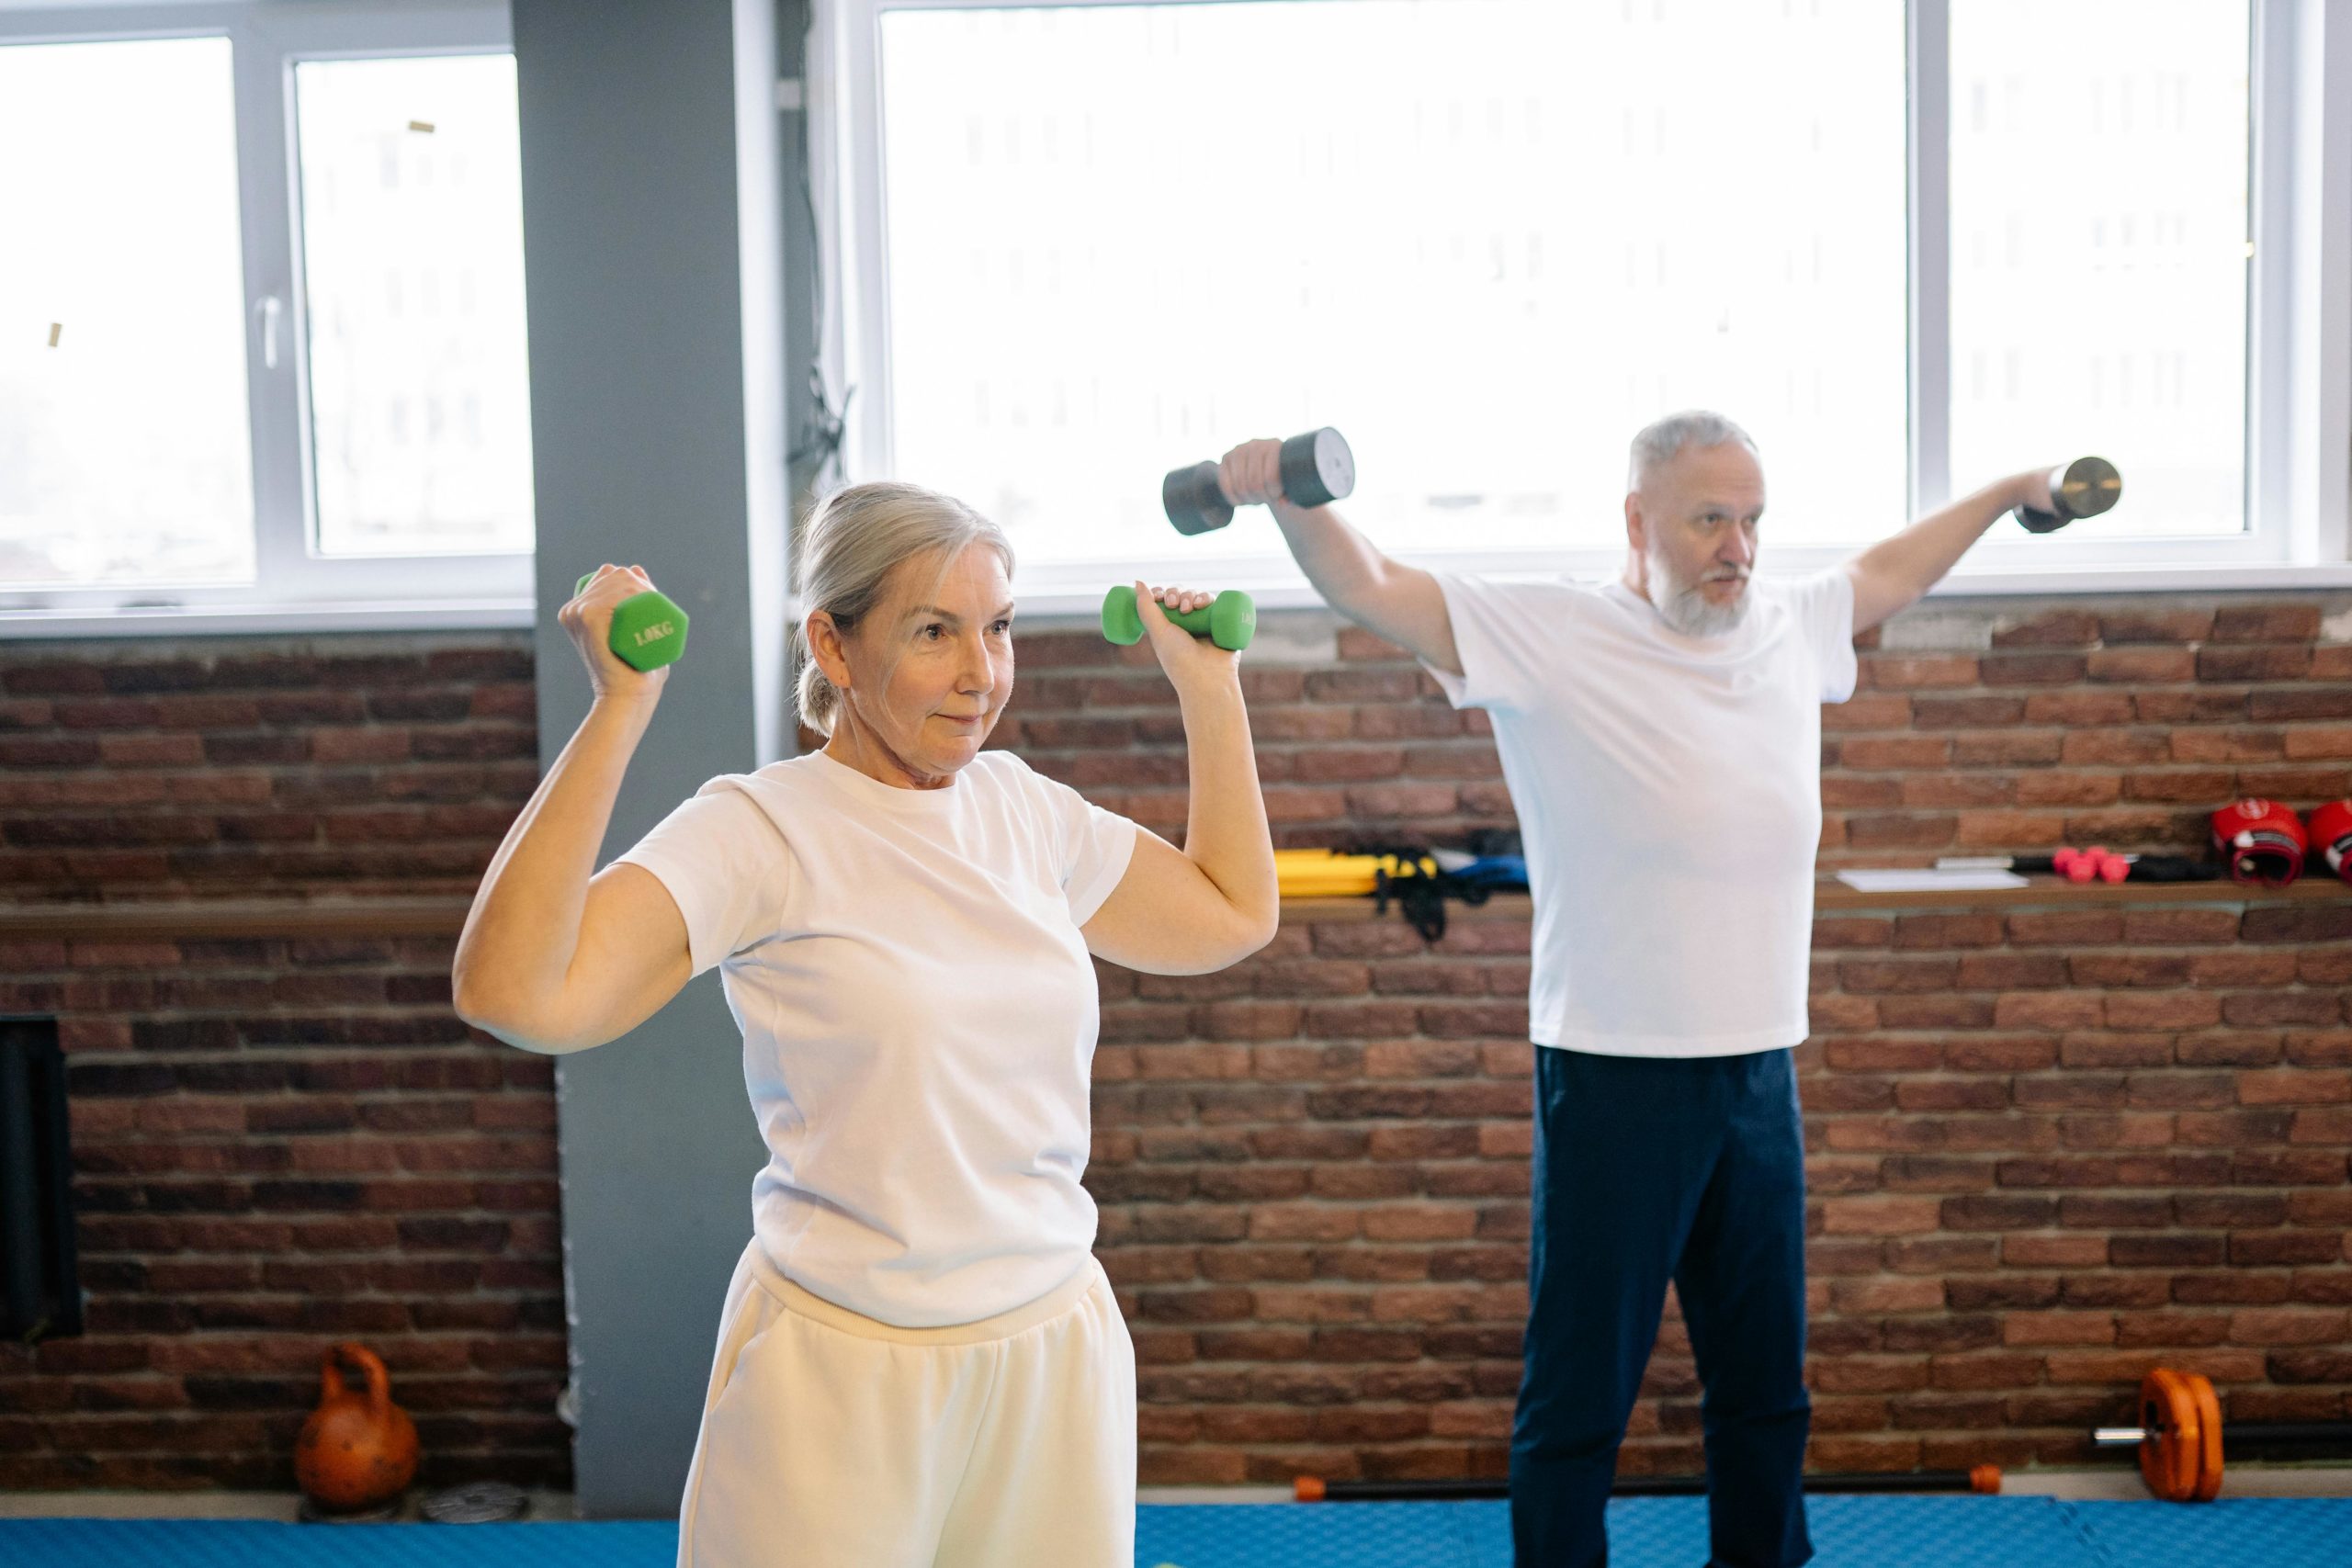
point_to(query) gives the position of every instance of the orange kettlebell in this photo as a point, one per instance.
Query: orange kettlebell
(357, 1450)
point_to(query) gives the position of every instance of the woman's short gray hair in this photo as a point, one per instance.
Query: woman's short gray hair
(1660, 440)
(847, 549)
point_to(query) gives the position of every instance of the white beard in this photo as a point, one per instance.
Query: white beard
(1684, 604)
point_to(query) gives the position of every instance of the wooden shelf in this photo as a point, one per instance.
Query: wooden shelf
(445, 914)
(210, 918)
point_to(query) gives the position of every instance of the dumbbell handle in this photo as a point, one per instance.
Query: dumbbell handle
(2249, 1434)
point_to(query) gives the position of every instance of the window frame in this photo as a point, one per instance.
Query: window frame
(294, 588)
(2299, 388)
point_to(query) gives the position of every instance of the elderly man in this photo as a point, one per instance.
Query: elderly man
(1660, 734)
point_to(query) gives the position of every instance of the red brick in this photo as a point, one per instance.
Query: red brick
(2267, 622)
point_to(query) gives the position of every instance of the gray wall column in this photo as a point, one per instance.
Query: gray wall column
(651, 224)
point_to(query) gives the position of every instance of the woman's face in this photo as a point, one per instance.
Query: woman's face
(925, 673)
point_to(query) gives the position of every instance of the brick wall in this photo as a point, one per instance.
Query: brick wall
(280, 1141)
(2052, 1146)
(233, 766)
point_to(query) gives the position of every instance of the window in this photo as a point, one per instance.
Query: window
(264, 364)
(2112, 283)
(123, 449)
(412, 264)
(1911, 248)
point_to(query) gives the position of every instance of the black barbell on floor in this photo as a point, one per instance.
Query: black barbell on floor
(2181, 1434)
(1984, 1479)
(2180, 1442)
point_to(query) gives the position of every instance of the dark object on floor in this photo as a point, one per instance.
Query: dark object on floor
(476, 1503)
(309, 1513)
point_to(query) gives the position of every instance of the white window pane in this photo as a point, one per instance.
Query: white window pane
(412, 270)
(2098, 263)
(1488, 241)
(125, 451)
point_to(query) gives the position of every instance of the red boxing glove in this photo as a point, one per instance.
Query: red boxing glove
(2261, 840)
(2331, 835)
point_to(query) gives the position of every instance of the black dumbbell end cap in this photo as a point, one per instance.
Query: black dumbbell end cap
(1317, 469)
(1193, 499)
(2087, 487)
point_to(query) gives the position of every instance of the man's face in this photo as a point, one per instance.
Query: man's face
(1693, 523)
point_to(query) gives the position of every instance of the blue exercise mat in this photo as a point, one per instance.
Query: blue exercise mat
(1645, 1532)
(2270, 1532)
(1669, 1532)
(252, 1543)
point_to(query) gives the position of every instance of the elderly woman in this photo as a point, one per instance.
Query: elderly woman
(919, 1360)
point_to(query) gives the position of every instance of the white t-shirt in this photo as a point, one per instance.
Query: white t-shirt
(918, 1015)
(1668, 791)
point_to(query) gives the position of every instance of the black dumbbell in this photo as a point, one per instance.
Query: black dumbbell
(2084, 487)
(1316, 468)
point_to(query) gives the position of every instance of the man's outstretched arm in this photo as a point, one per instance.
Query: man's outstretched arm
(1893, 573)
(1385, 597)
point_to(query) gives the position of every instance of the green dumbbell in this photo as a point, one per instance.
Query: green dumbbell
(1230, 621)
(648, 629)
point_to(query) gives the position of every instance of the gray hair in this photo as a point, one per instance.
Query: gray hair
(848, 547)
(1659, 441)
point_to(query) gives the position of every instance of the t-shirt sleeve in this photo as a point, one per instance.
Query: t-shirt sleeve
(726, 866)
(1094, 846)
(1508, 637)
(1823, 606)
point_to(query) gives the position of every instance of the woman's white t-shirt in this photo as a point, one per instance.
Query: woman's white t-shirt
(1668, 791)
(919, 1014)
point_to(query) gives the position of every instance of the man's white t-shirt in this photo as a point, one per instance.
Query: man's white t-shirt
(1668, 791)
(919, 1014)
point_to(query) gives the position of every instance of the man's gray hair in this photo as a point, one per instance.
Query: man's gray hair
(1658, 442)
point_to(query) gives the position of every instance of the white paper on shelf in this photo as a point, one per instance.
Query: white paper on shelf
(1930, 879)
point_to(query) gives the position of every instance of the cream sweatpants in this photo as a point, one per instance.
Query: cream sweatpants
(830, 1440)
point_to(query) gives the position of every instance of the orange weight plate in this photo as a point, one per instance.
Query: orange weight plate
(2171, 1458)
(2208, 1436)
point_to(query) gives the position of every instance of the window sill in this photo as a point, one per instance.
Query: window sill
(1058, 600)
(1058, 603)
(210, 620)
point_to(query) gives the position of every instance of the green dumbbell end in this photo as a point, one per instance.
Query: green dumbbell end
(648, 629)
(1120, 623)
(1230, 621)
(1233, 619)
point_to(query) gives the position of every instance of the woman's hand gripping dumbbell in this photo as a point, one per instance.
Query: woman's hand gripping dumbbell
(1313, 470)
(629, 632)
(1229, 620)
(1197, 665)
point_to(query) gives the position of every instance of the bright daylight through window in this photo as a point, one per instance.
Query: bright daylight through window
(1489, 240)
(124, 454)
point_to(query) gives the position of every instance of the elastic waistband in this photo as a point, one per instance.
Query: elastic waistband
(802, 1302)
